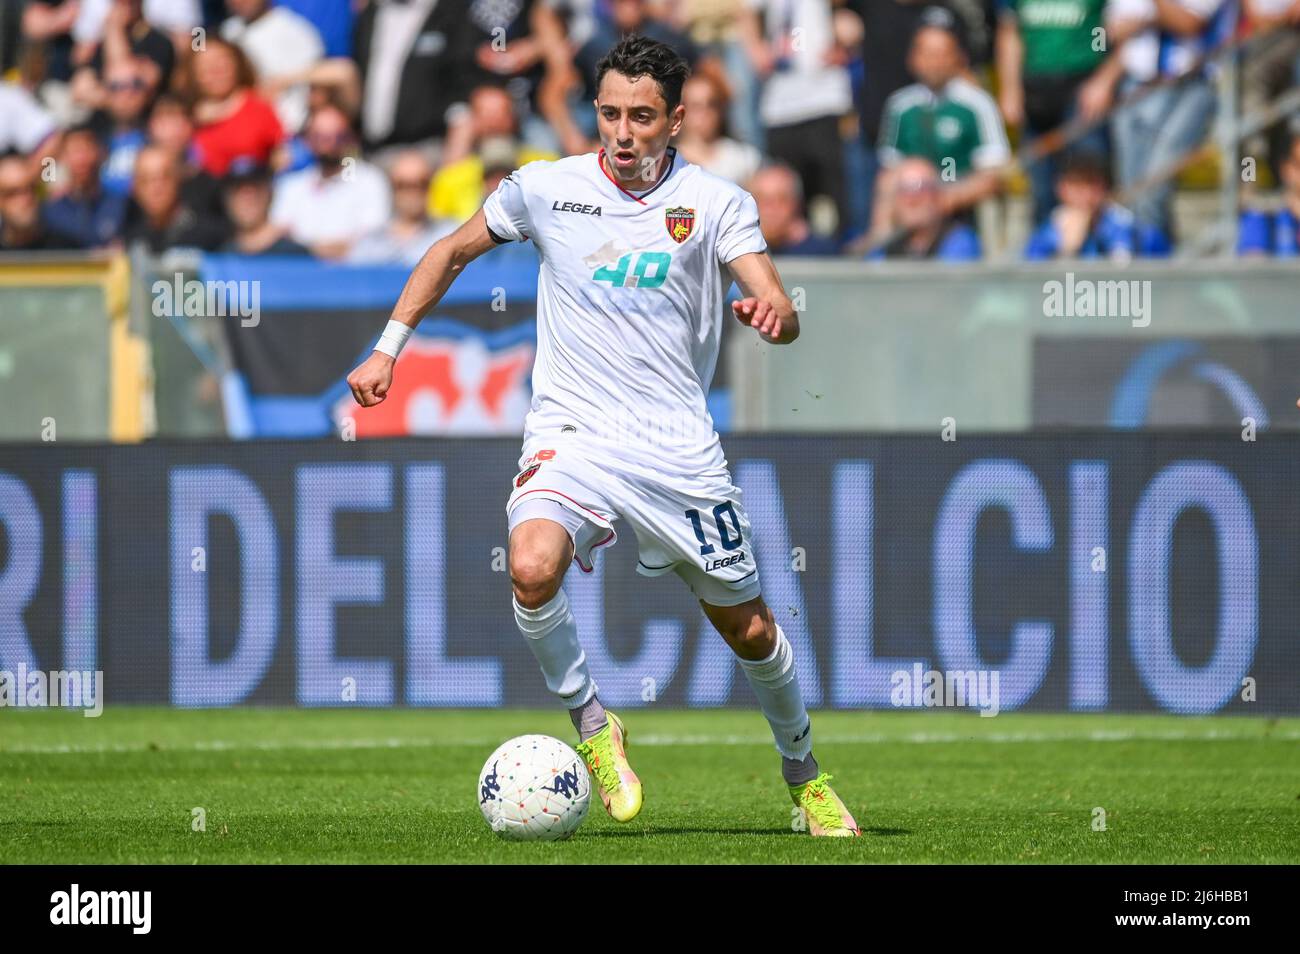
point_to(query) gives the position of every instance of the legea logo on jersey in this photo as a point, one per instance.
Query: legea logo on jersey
(558, 206)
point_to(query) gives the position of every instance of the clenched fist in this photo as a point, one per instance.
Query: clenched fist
(372, 379)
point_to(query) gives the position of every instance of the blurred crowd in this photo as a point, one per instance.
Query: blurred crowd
(363, 130)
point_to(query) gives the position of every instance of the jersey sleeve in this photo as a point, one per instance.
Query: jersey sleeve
(739, 233)
(506, 210)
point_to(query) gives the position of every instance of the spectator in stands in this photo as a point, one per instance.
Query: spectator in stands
(1051, 70)
(714, 27)
(499, 158)
(1157, 134)
(121, 33)
(1276, 233)
(409, 85)
(121, 123)
(779, 195)
(340, 198)
(283, 48)
(247, 190)
(406, 238)
(919, 229)
(171, 127)
(943, 118)
(333, 20)
(1087, 223)
(22, 224)
(458, 187)
(1270, 67)
(48, 24)
(704, 140)
(85, 212)
(231, 118)
(805, 92)
(889, 27)
(25, 126)
(510, 51)
(98, 19)
(159, 218)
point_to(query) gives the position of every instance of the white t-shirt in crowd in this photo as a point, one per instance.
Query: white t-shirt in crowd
(807, 87)
(343, 207)
(169, 16)
(24, 124)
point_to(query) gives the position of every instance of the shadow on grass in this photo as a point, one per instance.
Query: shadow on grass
(783, 832)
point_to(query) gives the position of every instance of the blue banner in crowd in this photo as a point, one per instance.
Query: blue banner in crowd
(1093, 572)
(467, 370)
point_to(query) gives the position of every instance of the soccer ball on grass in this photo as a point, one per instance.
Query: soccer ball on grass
(534, 788)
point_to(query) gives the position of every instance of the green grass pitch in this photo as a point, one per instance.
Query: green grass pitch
(282, 785)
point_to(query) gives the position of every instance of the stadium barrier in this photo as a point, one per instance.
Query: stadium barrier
(884, 347)
(73, 366)
(901, 347)
(1081, 572)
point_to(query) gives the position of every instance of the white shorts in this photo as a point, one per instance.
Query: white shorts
(694, 527)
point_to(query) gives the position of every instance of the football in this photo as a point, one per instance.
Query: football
(534, 788)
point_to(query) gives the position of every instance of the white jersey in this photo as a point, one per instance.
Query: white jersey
(630, 302)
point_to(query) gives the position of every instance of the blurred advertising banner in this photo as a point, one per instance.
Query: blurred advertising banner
(1094, 571)
(1224, 383)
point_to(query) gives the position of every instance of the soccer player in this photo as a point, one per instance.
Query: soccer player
(638, 248)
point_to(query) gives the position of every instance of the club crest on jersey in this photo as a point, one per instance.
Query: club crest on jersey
(523, 478)
(679, 222)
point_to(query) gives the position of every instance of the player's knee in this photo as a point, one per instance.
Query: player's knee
(750, 636)
(536, 574)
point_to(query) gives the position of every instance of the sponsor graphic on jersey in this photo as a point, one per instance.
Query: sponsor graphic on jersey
(607, 254)
(723, 562)
(558, 206)
(524, 477)
(679, 222)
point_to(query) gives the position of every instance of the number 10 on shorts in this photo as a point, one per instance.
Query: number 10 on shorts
(731, 539)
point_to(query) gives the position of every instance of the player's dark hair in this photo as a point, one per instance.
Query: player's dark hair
(635, 56)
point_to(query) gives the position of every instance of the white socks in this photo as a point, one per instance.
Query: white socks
(775, 684)
(552, 634)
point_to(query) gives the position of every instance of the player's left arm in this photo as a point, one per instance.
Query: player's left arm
(766, 307)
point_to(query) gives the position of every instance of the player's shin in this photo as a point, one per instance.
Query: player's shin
(776, 685)
(552, 634)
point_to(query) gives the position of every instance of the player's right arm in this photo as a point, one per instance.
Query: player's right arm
(429, 281)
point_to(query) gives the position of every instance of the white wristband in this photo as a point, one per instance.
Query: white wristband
(393, 338)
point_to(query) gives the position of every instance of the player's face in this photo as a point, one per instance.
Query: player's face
(635, 126)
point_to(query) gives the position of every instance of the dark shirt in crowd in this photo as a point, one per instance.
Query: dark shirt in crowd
(282, 247)
(148, 42)
(89, 221)
(188, 229)
(45, 240)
